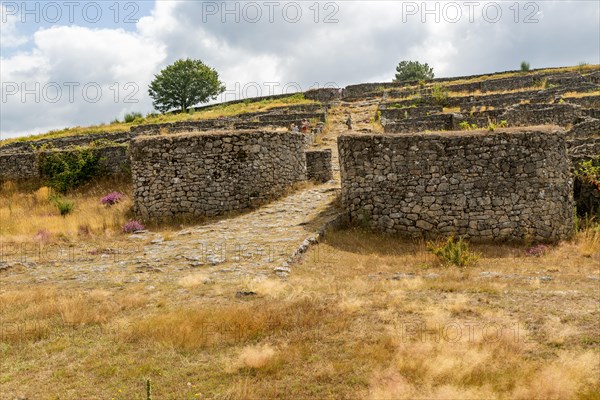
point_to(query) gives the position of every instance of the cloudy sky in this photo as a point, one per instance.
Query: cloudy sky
(69, 63)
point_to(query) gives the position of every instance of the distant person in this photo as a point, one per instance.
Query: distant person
(349, 122)
(295, 128)
(304, 126)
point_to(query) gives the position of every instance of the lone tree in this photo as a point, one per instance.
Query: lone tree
(412, 71)
(184, 84)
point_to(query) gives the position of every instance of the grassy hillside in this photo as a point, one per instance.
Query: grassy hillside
(223, 110)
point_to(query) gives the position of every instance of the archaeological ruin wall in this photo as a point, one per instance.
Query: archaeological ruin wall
(112, 159)
(512, 184)
(318, 165)
(213, 173)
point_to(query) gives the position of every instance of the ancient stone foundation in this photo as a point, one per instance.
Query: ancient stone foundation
(318, 165)
(512, 184)
(210, 174)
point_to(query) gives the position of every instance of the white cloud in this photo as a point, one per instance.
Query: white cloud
(366, 44)
(77, 76)
(9, 37)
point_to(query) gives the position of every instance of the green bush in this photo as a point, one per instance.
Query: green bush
(131, 117)
(453, 252)
(64, 206)
(466, 126)
(525, 66)
(65, 170)
(589, 171)
(439, 94)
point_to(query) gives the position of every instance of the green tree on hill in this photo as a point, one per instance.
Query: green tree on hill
(184, 84)
(413, 71)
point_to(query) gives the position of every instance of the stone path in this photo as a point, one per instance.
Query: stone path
(257, 242)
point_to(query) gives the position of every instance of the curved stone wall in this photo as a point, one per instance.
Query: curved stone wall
(210, 174)
(512, 184)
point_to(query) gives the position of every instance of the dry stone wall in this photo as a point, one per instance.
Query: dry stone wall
(18, 166)
(318, 165)
(210, 174)
(511, 185)
(112, 160)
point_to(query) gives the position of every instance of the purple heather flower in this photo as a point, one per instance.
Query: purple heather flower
(112, 198)
(133, 226)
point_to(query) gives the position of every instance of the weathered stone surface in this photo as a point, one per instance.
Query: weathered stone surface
(318, 165)
(209, 174)
(512, 184)
(18, 166)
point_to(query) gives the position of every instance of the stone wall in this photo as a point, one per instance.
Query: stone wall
(318, 165)
(542, 114)
(482, 83)
(513, 184)
(210, 174)
(21, 166)
(388, 111)
(64, 142)
(435, 122)
(18, 166)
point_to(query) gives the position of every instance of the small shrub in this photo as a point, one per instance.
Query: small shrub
(131, 117)
(112, 198)
(466, 126)
(67, 170)
(537, 251)
(503, 124)
(64, 206)
(491, 126)
(439, 94)
(525, 66)
(541, 83)
(133, 226)
(589, 171)
(453, 252)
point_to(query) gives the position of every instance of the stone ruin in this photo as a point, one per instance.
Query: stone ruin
(431, 173)
(211, 174)
(513, 184)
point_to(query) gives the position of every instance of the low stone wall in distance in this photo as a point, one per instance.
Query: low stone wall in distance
(112, 160)
(512, 184)
(213, 173)
(18, 166)
(318, 165)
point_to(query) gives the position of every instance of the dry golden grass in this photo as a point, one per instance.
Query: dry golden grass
(349, 322)
(27, 213)
(581, 94)
(256, 357)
